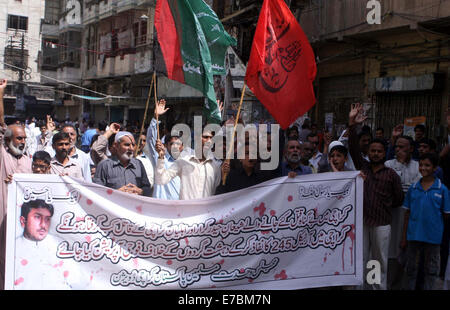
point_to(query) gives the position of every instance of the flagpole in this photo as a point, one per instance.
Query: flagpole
(224, 177)
(145, 117)
(156, 103)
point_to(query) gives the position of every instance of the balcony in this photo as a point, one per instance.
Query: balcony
(124, 65)
(105, 67)
(90, 14)
(50, 30)
(145, 4)
(107, 8)
(125, 5)
(143, 61)
(69, 75)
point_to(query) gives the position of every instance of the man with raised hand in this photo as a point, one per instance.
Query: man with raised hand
(382, 192)
(12, 160)
(173, 147)
(75, 154)
(102, 148)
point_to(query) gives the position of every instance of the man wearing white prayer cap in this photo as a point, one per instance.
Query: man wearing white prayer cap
(122, 171)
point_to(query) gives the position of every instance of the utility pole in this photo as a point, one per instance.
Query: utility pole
(19, 109)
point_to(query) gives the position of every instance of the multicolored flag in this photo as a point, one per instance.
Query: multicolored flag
(192, 44)
(282, 64)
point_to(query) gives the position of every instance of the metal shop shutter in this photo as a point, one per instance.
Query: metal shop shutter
(392, 109)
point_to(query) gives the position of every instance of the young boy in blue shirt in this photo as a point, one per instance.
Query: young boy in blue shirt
(427, 202)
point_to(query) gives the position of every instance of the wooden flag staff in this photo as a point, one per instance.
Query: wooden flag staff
(156, 105)
(145, 114)
(224, 176)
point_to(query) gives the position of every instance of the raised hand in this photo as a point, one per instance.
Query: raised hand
(159, 146)
(160, 107)
(356, 115)
(50, 124)
(327, 138)
(114, 127)
(226, 167)
(220, 105)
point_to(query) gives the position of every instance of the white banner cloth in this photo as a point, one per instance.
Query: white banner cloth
(282, 234)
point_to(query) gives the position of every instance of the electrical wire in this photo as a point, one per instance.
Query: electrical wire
(63, 82)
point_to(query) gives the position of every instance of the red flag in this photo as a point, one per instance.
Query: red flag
(282, 64)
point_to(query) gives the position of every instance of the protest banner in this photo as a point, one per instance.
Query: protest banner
(282, 234)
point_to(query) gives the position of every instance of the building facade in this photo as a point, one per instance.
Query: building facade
(398, 68)
(20, 32)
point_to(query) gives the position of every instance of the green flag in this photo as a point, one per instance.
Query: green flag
(192, 45)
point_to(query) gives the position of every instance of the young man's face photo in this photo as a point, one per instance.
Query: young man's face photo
(36, 224)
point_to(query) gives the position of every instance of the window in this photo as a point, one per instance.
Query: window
(140, 33)
(52, 11)
(17, 22)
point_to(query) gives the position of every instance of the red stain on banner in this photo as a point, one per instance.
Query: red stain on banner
(282, 275)
(261, 208)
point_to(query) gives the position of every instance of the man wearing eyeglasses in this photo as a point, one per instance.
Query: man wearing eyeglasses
(41, 163)
(315, 159)
(199, 176)
(12, 160)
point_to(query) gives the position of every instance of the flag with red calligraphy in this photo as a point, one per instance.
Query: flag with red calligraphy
(286, 233)
(282, 65)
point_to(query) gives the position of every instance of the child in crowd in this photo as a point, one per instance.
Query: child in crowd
(337, 158)
(41, 163)
(427, 202)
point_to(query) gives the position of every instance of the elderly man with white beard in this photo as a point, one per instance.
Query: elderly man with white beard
(122, 171)
(293, 166)
(12, 160)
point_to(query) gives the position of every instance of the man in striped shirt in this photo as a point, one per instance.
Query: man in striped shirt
(382, 192)
(61, 163)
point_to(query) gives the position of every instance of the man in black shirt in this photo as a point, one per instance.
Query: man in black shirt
(243, 176)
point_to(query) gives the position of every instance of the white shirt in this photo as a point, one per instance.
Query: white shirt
(315, 160)
(197, 179)
(37, 267)
(148, 168)
(408, 173)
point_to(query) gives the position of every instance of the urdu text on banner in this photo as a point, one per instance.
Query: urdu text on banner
(282, 234)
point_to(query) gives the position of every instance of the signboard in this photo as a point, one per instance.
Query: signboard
(410, 123)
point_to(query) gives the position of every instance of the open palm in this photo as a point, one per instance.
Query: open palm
(356, 115)
(160, 108)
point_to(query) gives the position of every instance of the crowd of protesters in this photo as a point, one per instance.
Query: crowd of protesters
(406, 200)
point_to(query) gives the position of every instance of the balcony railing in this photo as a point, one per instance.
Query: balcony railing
(90, 14)
(107, 8)
(125, 5)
